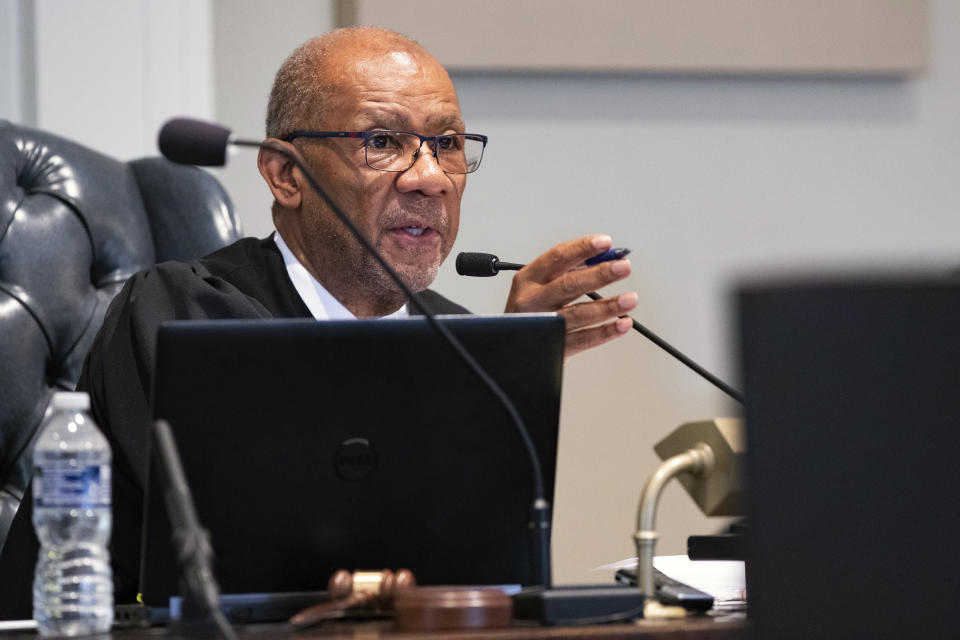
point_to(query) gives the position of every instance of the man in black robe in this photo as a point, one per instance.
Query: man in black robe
(403, 197)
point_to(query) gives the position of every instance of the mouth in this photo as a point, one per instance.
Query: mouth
(415, 233)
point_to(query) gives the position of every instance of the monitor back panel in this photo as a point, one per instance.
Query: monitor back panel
(853, 425)
(312, 447)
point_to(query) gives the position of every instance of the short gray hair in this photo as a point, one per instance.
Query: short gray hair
(301, 89)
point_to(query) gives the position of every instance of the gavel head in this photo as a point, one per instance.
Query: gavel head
(377, 585)
(394, 583)
(340, 584)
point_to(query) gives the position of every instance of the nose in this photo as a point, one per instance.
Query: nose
(425, 175)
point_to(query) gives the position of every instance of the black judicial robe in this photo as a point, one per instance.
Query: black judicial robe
(247, 279)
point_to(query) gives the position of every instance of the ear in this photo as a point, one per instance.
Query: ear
(278, 172)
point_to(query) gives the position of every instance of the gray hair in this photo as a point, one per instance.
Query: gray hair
(301, 89)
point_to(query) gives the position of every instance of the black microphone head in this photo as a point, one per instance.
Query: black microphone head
(477, 264)
(189, 141)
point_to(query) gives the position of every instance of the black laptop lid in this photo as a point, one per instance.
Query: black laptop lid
(316, 446)
(853, 427)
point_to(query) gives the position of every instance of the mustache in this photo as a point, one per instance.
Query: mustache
(420, 213)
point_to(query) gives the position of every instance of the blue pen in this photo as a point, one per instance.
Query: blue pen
(606, 256)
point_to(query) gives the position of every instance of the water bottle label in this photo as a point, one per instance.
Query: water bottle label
(60, 484)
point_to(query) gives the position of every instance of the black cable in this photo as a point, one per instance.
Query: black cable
(486, 264)
(541, 508)
(666, 346)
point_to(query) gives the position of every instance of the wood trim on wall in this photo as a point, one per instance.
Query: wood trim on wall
(840, 37)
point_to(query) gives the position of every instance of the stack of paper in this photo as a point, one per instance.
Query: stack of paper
(722, 579)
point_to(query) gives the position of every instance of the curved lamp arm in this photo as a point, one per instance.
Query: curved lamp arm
(698, 460)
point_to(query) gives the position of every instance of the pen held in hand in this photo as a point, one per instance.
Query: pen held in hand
(608, 255)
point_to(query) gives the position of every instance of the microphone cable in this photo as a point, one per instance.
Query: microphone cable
(189, 141)
(471, 263)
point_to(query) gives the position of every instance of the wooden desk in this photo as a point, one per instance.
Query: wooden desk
(720, 627)
(726, 627)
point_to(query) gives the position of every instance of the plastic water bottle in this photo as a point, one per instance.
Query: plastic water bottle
(73, 585)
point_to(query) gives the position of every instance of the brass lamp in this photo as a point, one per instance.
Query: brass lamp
(708, 459)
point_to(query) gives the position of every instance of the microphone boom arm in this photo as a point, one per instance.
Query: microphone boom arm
(676, 353)
(487, 264)
(540, 523)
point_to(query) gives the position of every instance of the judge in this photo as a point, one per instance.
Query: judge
(399, 175)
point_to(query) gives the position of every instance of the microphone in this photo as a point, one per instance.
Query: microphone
(188, 141)
(486, 264)
(483, 265)
(196, 142)
(201, 594)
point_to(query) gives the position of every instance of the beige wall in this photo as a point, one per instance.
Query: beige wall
(706, 179)
(106, 73)
(251, 39)
(693, 36)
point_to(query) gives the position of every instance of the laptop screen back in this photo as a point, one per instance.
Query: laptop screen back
(316, 446)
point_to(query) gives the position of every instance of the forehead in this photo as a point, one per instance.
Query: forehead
(399, 88)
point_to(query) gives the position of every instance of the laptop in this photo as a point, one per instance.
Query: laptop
(853, 431)
(361, 445)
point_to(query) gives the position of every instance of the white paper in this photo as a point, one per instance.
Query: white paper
(722, 579)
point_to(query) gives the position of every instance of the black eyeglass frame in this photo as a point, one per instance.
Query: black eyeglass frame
(366, 135)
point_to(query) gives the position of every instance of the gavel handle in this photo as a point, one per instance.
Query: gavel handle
(330, 610)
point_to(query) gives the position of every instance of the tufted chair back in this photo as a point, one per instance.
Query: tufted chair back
(74, 225)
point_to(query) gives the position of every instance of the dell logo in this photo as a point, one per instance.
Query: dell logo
(355, 459)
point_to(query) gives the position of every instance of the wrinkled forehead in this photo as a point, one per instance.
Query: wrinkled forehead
(402, 77)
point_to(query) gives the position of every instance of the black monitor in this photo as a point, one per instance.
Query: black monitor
(316, 446)
(853, 429)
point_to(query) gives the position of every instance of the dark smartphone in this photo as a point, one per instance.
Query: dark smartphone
(670, 591)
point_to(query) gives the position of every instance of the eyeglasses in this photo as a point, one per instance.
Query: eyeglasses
(399, 150)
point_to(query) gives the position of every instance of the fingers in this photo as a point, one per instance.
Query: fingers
(557, 278)
(565, 256)
(578, 341)
(529, 295)
(569, 286)
(586, 314)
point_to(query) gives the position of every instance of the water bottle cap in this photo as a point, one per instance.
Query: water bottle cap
(78, 400)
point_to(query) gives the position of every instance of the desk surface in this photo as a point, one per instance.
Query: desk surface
(727, 627)
(720, 627)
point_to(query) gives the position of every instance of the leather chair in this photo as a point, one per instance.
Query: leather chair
(74, 225)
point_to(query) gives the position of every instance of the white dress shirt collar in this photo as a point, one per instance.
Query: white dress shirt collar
(322, 305)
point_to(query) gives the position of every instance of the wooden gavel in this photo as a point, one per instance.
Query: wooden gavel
(416, 608)
(355, 590)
